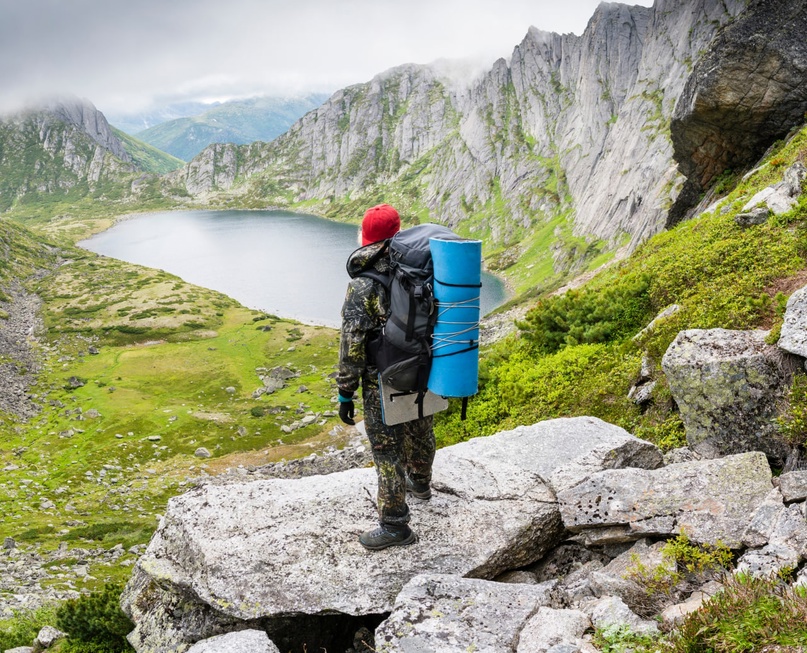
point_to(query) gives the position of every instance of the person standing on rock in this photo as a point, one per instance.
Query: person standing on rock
(403, 453)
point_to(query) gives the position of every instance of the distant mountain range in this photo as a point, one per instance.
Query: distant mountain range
(240, 122)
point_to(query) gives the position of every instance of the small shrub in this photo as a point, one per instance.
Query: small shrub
(257, 411)
(619, 638)
(749, 614)
(685, 567)
(97, 619)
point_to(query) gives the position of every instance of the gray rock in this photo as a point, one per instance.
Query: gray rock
(673, 615)
(612, 611)
(756, 216)
(712, 500)
(793, 486)
(726, 384)
(793, 337)
(20, 649)
(47, 637)
(549, 628)
(201, 452)
(672, 309)
(455, 615)
(9, 543)
(642, 394)
(615, 578)
(768, 561)
(242, 641)
(779, 198)
(519, 577)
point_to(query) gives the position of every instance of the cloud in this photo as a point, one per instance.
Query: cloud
(128, 54)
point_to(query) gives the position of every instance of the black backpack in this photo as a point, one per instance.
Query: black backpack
(403, 350)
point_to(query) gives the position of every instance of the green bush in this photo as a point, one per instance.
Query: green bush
(22, 629)
(793, 424)
(96, 619)
(587, 317)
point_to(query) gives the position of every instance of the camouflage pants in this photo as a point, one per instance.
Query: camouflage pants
(398, 451)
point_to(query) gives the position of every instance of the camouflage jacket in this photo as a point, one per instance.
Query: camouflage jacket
(363, 314)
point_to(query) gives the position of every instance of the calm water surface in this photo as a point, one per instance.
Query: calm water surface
(289, 264)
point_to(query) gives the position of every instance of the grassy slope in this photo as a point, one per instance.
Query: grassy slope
(175, 371)
(147, 157)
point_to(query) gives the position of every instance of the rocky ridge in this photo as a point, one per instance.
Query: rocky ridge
(580, 116)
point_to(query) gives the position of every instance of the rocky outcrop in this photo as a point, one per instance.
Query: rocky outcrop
(727, 385)
(747, 91)
(83, 115)
(242, 641)
(493, 509)
(793, 337)
(580, 120)
(781, 197)
(280, 557)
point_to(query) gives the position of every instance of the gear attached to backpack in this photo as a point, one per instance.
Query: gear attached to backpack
(402, 351)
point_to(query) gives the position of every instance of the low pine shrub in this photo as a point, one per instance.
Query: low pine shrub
(96, 621)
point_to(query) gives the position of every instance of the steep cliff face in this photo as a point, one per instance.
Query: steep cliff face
(747, 91)
(52, 150)
(573, 126)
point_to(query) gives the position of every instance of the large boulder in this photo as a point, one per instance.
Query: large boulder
(711, 500)
(727, 385)
(234, 555)
(745, 92)
(793, 337)
(450, 614)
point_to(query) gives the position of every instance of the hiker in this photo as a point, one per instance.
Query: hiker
(403, 453)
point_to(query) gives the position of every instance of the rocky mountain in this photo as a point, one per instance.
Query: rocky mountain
(65, 148)
(241, 121)
(570, 134)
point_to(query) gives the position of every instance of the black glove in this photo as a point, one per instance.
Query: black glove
(347, 409)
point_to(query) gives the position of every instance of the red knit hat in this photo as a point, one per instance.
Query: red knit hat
(379, 223)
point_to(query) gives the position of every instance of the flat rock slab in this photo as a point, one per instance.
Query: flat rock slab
(712, 500)
(561, 452)
(448, 614)
(241, 552)
(793, 337)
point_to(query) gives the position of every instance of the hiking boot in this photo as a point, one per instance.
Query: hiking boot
(422, 491)
(387, 535)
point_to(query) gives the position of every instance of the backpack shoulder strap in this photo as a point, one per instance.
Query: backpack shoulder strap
(369, 270)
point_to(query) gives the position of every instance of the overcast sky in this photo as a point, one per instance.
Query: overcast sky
(125, 55)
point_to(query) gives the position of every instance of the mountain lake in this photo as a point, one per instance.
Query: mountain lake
(288, 264)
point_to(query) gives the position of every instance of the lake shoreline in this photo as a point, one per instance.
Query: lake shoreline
(326, 233)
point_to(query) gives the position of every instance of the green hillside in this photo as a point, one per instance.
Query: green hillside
(147, 157)
(240, 122)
